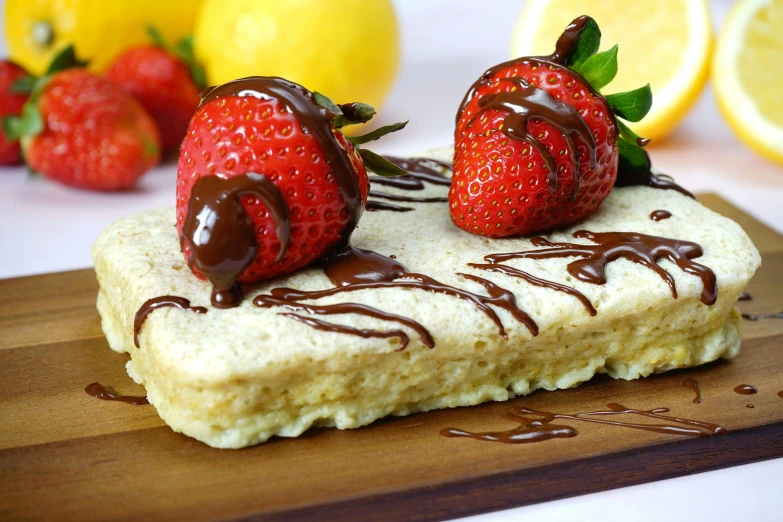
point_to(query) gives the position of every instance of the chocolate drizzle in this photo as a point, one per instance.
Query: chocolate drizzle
(221, 235)
(745, 297)
(160, 302)
(745, 389)
(107, 393)
(224, 248)
(660, 215)
(756, 317)
(780, 393)
(611, 246)
(540, 427)
(531, 102)
(693, 386)
(420, 170)
(630, 175)
(356, 269)
(533, 280)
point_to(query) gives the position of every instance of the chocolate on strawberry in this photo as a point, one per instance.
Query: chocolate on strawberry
(536, 144)
(267, 183)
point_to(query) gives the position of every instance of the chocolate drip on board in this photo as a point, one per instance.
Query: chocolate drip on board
(745, 389)
(756, 317)
(693, 386)
(749, 406)
(535, 425)
(219, 231)
(160, 302)
(533, 280)
(660, 215)
(107, 393)
(745, 297)
(780, 394)
(611, 246)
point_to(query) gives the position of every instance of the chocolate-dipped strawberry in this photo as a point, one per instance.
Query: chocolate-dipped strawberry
(537, 145)
(267, 183)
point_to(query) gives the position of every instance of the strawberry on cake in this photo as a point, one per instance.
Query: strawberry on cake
(289, 289)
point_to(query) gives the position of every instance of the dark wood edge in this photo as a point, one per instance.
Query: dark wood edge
(519, 488)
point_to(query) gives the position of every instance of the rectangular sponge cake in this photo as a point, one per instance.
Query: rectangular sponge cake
(234, 377)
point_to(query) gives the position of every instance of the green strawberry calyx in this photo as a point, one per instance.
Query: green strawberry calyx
(355, 113)
(30, 123)
(599, 69)
(183, 51)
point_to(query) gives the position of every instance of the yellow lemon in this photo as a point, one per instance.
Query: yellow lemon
(37, 29)
(747, 74)
(346, 49)
(666, 43)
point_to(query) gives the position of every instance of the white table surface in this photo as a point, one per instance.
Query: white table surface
(47, 227)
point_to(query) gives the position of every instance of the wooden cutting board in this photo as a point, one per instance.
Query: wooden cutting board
(65, 455)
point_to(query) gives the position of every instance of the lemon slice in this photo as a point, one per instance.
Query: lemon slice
(666, 43)
(747, 75)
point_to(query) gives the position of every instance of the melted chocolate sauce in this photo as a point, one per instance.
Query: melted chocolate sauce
(107, 393)
(220, 233)
(533, 280)
(539, 428)
(745, 297)
(397, 197)
(780, 393)
(745, 389)
(643, 142)
(375, 206)
(660, 215)
(268, 301)
(694, 387)
(629, 175)
(749, 406)
(357, 269)
(531, 102)
(611, 246)
(160, 302)
(756, 317)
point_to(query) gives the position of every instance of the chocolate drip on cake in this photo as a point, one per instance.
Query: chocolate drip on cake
(221, 235)
(540, 427)
(630, 175)
(533, 280)
(160, 302)
(420, 170)
(107, 393)
(660, 215)
(375, 206)
(611, 246)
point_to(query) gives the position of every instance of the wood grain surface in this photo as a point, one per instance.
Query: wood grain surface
(67, 456)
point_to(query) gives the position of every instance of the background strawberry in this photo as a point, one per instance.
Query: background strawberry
(84, 131)
(502, 185)
(236, 135)
(165, 81)
(11, 102)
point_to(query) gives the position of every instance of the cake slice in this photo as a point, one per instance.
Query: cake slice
(436, 318)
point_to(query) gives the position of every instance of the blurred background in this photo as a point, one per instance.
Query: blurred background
(421, 57)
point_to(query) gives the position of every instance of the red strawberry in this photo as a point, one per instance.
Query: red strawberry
(245, 127)
(162, 82)
(11, 103)
(84, 131)
(536, 146)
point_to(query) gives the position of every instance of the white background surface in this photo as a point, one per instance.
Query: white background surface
(446, 45)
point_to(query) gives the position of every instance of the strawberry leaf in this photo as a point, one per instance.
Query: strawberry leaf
(353, 113)
(586, 46)
(377, 133)
(29, 123)
(23, 85)
(380, 165)
(631, 105)
(156, 37)
(327, 103)
(184, 51)
(65, 59)
(600, 69)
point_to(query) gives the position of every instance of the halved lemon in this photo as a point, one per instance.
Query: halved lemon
(666, 43)
(748, 74)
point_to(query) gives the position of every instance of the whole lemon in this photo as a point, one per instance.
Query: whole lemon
(99, 31)
(345, 49)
